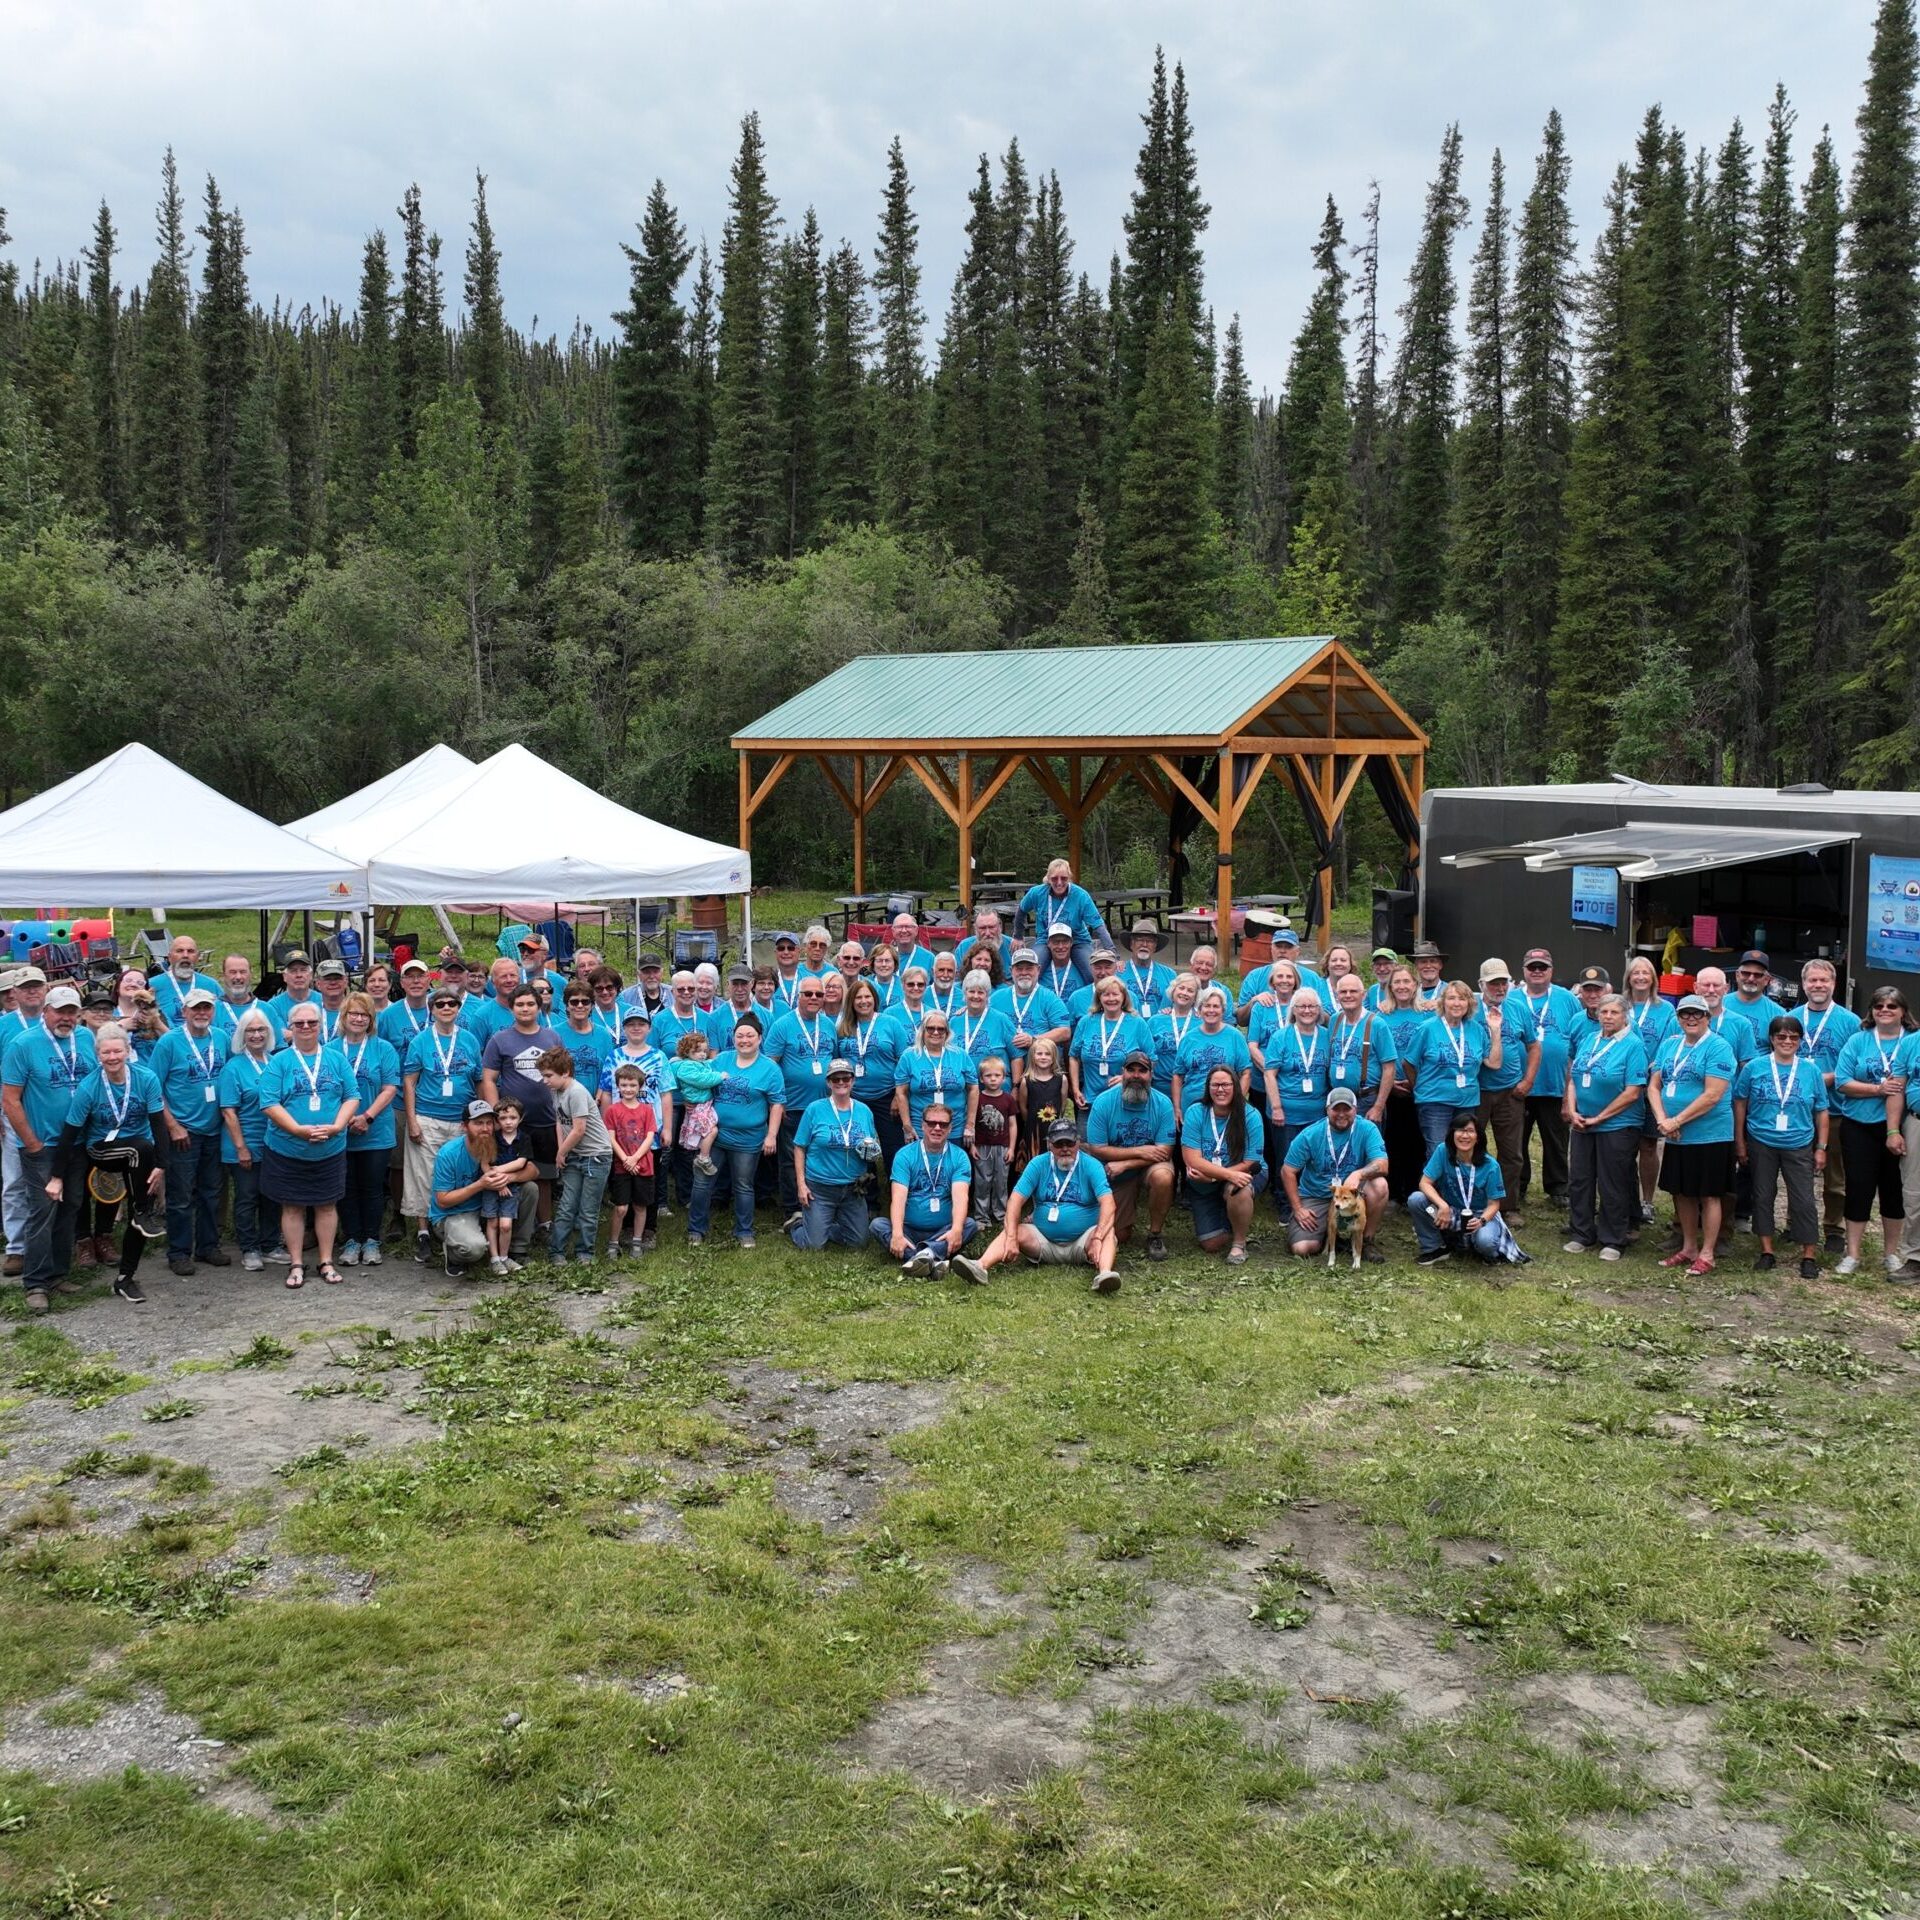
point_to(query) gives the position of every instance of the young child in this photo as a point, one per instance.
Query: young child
(583, 1162)
(695, 1076)
(1042, 1095)
(500, 1210)
(996, 1129)
(630, 1120)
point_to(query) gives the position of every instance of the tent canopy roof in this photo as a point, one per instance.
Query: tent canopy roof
(359, 824)
(503, 833)
(1652, 849)
(134, 830)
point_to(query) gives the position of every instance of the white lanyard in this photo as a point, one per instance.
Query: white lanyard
(446, 1057)
(946, 1005)
(1143, 987)
(118, 1108)
(1219, 1141)
(354, 1059)
(1062, 1181)
(812, 1034)
(1019, 1012)
(1306, 1055)
(1456, 1039)
(862, 1040)
(968, 1028)
(1107, 1039)
(846, 1132)
(1352, 1029)
(1465, 1179)
(926, 1164)
(937, 1061)
(312, 1073)
(788, 990)
(1337, 1161)
(1682, 1054)
(70, 1059)
(1179, 1027)
(1886, 1059)
(1537, 1001)
(210, 1066)
(1597, 1053)
(417, 1022)
(606, 1023)
(1782, 1095)
(1813, 1033)
(1644, 1014)
(1062, 977)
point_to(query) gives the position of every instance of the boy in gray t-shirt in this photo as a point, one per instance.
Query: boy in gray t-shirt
(583, 1157)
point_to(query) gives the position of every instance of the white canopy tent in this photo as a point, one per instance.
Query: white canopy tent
(355, 826)
(134, 830)
(509, 832)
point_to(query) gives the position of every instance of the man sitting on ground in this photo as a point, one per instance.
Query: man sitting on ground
(1072, 1205)
(928, 1221)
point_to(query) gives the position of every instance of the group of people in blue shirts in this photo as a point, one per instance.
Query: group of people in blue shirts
(1037, 1095)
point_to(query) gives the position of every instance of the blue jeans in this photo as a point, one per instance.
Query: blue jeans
(881, 1229)
(835, 1216)
(1484, 1240)
(738, 1165)
(50, 1224)
(576, 1208)
(1435, 1116)
(193, 1196)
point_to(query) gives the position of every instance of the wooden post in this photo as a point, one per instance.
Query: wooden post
(746, 803)
(1223, 876)
(1076, 818)
(964, 785)
(859, 823)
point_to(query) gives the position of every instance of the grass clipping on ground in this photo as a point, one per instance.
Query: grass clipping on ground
(786, 1587)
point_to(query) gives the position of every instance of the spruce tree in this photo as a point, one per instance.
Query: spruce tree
(164, 413)
(654, 479)
(1423, 400)
(899, 411)
(957, 411)
(1369, 465)
(103, 375)
(1540, 429)
(743, 479)
(702, 357)
(1882, 294)
(1477, 569)
(223, 329)
(1164, 550)
(1316, 423)
(419, 345)
(845, 435)
(1233, 440)
(1812, 606)
(293, 420)
(261, 504)
(1052, 354)
(9, 298)
(795, 387)
(368, 437)
(563, 493)
(486, 342)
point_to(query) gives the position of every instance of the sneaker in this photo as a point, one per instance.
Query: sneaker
(1575, 1246)
(1609, 1253)
(183, 1268)
(1156, 1246)
(280, 1257)
(1434, 1258)
(919, 1265)
(251, 1261)
(219, 1257)
(422, 1249)
(1743, 1223)
(1371, 1254)
(969, 1270)
(1893, 1264)
(1835, 1243)
(1809, 1269)
(515, 1266)
(1763, 1262)
(696, 1239)
(350, 1254)
(745, 1241)
(500, 1265)
(704, 1165)
(938, 1271)
(1646, 1213)
(648, 1241)
(1236, 1256)
(128, 1287)
(1107, 1281)
(1848, 1264)
(583, 1259)
(661, 1213)
(792, 1220)
(150, 1222)
(36, 1300)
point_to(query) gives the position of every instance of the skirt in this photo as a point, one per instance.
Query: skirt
(1699, 1171)
(303, 1183)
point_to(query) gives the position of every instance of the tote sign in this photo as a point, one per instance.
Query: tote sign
(1596, 897)
(1893, 914)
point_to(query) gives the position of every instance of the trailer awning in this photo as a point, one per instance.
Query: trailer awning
(1652, 849)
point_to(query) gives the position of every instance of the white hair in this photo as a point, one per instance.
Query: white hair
(241, 1023)
(1212, 993)
(977, 977)
(816, 933)
(706, 970)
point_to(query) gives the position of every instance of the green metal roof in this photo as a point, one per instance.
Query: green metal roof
(1199, 691)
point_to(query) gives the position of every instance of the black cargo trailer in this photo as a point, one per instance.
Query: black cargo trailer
(1600, 872)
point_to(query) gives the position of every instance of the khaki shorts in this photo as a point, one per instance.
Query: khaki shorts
(1060, 1253)
(416, 1187)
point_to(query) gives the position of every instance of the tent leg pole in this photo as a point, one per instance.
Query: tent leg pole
(446, 926)
(266, 945)
(746, 928)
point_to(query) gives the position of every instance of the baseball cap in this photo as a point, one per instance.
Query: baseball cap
(415, 965)
(9, 979)
(1283, 930)
(1341, 1097)
(1593, 977)
(742, 975)
(99, 996)
(332, 969)
(1025, 957)
(1495, 969)
(649, 961)
(1384, 953)
(1059, 928)
(199, 997)
(839, 1069)
(297, 959)
(1692, 1003)
(1536, 953)
(531, 942)
(1138, 1057)
(636, 1013)
(29, 977)
(1104, 953)
(479, 1109)
(785, 939)
(1062, 1130)
(1753, 957)
(63, 996)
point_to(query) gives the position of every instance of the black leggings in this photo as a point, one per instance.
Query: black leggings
(136, 1159)
(1863, 1149)
(364, 1203)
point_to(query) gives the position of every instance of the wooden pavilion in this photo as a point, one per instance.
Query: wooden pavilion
(1196, 726)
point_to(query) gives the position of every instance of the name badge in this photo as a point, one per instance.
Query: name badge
(1586, 1079)
(1780, 1121)
(446, 1089)
(1459, 1079)
(1339, 1070)
(1306, 1084)
(313, 1103)
(934, 1202)
(1053, 1214)
(819, 1067)
(213, 1094)
(112, 1133)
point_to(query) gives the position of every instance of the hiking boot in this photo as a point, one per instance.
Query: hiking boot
(183, 1268)
(1156, 1246)
(219, 1257)
(15, 1265)
(36, 1300)
(86, 1252)
(1371, 1254)
(128, 1287)
(1835, 1242)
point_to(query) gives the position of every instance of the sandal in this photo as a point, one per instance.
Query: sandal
(296, 1276)
(1699, 1267)
(1679, 1260)
(329, 1273)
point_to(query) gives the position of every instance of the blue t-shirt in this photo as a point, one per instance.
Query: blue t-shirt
(399, 1026)
(589, 1049)
(1038, 1010)
(283, 1003)
(453, 1167)
(1463, 1186)
(48, 1071)
(828, 1138)
(929, 1179)
(436, 1059)
(1446, 1061)
(1166, 1034)
(1759, 1014)
(670, 1026)
(1683, 1071)
(375, 1065)
(986, 1036)
(874, 1048)
(1146, 986)
(803, 1048)
(1736, 1031)
(168, 993)
(1360, 1049)
(296, 1081)
(1867, 1057)
(1827, 1032)
(1063, 1205)
(907, 1019)
(1258, 981)
(1040, 910)
(1601, 1070)
(1319, 1156)
(227, 1015)
(1114, 1121)
(744, 1099)
(189, 1074)
(1517, 1033)
(944, 1076)
(1781, 1100)
(1064, 980)
(1101, 1044)
(1555, 1013)
(1203, 1129)
(240, 1081)
(1654, 1022)
(1301, 1063)
(653, 1069)
(128, 1112)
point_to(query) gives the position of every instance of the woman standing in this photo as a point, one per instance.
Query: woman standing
(1103, 1039)
(1780, 1125)
(884, 971)
(1605, 1092)
(1445, 1054)
(1870, 1089)
(873, 1045)
(1652, 1021)
(1296, 1060)
(137, 1013)
(245, 1121)
(584, 1037)
(1215, 1042)
(378, 987)
(747, 1105)
(930, 1070)
(1691, 1092)
(371, 1132)
(1406, 1148)
(310, 1096)
(113, 1121)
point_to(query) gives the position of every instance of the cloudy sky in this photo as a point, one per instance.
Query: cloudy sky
(314, 119)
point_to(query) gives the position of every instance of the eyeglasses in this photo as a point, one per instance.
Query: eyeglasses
(1538, 966)
(1694, 1013)
(303, 1026)
(934, 1126)
(572, 1002)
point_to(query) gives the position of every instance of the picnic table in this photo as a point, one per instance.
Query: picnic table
(1201, 924)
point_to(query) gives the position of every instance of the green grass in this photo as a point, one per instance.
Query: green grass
(1707, 1491)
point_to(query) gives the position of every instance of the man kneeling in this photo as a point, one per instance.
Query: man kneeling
(1342, 1151)
(1072, 1205)
(1130, 1131)
(831, 1153)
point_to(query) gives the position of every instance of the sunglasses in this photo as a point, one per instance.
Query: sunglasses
(934, 1126)
(1538, 966)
